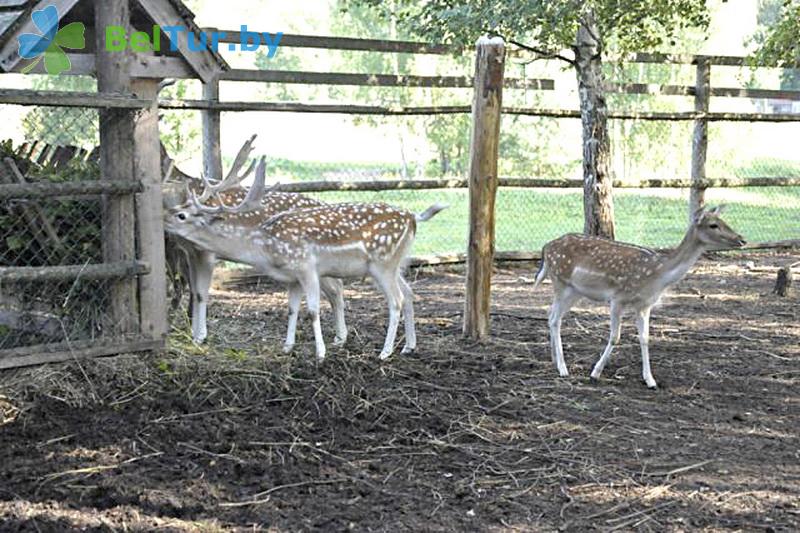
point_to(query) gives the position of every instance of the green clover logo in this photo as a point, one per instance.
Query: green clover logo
(50, 44)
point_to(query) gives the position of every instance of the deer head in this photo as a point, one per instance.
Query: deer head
(712, 231)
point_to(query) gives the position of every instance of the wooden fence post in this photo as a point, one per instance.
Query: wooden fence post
(150, 214)
(212, 133)
(700, 138)
(484, 151)
(116, 164)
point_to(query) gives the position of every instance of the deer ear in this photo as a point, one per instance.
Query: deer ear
(718, 209)
(698, 215)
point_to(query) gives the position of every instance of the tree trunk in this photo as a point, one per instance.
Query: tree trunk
(598, 204)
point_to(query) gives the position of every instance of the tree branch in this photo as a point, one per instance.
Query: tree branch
(543, 54)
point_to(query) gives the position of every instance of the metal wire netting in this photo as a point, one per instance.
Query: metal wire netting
(58, 146)
(437, 147)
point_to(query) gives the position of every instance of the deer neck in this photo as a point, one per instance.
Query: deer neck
(234, 244)
(681, 259)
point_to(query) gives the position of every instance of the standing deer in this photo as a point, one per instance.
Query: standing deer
(302, 247)
(631, 278)
(229, 191)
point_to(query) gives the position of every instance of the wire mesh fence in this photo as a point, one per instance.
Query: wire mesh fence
(45, 309)
(310, 148)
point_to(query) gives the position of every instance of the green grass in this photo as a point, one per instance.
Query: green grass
(528, 218)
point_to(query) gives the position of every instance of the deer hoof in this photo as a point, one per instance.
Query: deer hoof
(408, 350)
(652, 386)
(385, 355)
(339, 341)
(287, 348)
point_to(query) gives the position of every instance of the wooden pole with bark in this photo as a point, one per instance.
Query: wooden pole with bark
(483, 180)
(597, 179)
(700, 137)
(116, 164)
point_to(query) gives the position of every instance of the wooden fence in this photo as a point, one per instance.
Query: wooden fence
(153, 68)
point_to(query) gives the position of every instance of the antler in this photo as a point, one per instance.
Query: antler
(234, 178)
(251, 202)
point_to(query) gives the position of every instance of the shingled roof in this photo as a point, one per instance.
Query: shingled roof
(14, 14)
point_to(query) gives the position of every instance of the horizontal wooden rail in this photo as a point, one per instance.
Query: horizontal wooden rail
(72, 272)
(373, 80)
(687, 90)
(529, 183)
(660, 115)
(71, 99)
(77, 188)
(453, 110)
(347, 43)
(692, 59)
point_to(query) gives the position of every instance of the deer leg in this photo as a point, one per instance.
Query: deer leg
(334, 293)
(643, 325)
(312, 290)
(564, 298)
(408, 316)
(387, 281)
(613, 340)
(203, 267)
(295, 297)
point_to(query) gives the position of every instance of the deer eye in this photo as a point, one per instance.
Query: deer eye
(182, 216)
(714, 226)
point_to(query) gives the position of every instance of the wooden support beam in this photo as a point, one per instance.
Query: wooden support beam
(212, 133)
(116, 164)
(483, 180)
(150, 214)
(702, 98)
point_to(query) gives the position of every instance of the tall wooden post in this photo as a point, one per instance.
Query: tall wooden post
(116, 164)
(150, 214)
(700, 138)
(212, 133)
(484, 152)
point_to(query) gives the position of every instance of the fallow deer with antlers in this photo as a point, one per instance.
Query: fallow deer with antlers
(229, 191)
(302, 247)
(629, 277)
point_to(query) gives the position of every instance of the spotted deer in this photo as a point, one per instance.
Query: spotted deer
(629, 277)
(301, 247)
(229, 191)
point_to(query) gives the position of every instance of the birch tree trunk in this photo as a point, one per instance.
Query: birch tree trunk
(598, 203)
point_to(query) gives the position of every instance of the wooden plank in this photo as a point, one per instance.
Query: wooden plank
(127, 270)
(116, 164)
(686, 90)
(150, 214)
(57, 353)
(529, 183)
(77, 188)
(164, 13)
(291, 107)
(346, 43)
(373, 80)
(212, 134)
(9, 52)
(70, 99)
(658, 115)
(483, 182)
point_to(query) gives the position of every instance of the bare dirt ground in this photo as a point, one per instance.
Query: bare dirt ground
(460, 436)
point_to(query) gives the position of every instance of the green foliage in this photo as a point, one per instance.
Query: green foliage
(778, 37)
(180, 130)
(624, 25)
